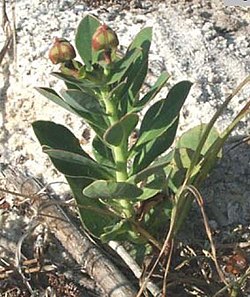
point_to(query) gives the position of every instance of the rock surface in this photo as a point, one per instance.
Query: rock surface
(202, 41)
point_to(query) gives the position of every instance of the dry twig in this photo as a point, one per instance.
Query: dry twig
(78, 244)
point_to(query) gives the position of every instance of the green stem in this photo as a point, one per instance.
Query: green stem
(119, 152)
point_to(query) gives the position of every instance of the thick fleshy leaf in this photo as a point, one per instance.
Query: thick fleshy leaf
(121, 66)
(138, 70)
(66, 153)
(51, 134)
(54, 97)
(185, 151)
(57, 136)
(155, 183)
(71, 164)
(161, 81)
(120, 131)
(84, 84)
(214, 151)
(114, 135)
(83, 41)
(116, 93)
(191, 138)
(153, 149)
(120, 231)
(183, 158)
(90, 208)
(153, 169)
(135, 77)
(147, 193)
(142, 40)
(96, 121)
(102, 152)
(161, 116)
(82, 101)
(108, 189)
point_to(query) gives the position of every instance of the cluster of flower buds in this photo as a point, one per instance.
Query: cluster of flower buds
(61, 51)
(105, 39)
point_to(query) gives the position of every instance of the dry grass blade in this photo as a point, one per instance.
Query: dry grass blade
(199, 199)
(164, 289)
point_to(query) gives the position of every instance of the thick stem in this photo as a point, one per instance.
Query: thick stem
(119, 153)
(121, 163)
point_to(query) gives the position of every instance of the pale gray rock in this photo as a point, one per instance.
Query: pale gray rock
(202, 41)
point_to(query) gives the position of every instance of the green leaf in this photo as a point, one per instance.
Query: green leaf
(120, 131)
(96, 122)
(120, 231)
(163, 113)
(84, 84)
(51, 135)
(183, 158)
(161, 81)
(147, 193)
(191, 138)
(82, 101)
(116, 93)
(114, 135)
(83, 41)
(90, 208)
(66, 153)
(214, 151)
(135, 80)
(155, 183)
(142, 40)
(102, 153)
(58, 137)
(72, 164)
(185, 151)
(184, 203)
(121, 66)
(138, 70)
(54, 97)
(150, 170)
(151, 150)
(108, 189)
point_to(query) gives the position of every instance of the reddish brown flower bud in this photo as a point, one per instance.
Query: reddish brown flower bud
(61, 51)
(104, 38)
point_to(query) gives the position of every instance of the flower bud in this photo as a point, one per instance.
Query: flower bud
(104, 38)
(61, 51)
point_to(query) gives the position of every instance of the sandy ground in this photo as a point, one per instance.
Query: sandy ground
(202, 41)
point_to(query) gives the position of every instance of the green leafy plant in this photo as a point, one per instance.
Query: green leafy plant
(126, 191)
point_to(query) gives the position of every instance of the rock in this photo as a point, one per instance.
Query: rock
(202, 41)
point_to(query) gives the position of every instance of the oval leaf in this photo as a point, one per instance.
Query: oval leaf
(161, 81)
(102, 152)
(82, 101)
(83, 41)
(163, 113)
(72, 164)
(191, 138)
(121, 130)
(106, 189)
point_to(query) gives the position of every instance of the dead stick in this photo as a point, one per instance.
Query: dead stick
(79, 245)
